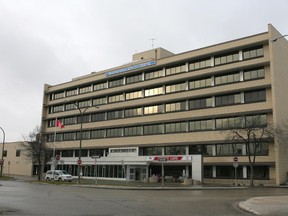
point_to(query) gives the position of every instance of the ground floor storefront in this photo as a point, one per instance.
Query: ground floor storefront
(126, 164)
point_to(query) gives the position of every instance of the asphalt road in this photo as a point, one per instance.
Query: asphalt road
(24, 198)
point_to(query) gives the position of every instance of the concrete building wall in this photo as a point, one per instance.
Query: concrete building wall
(279, 67)
(14, 164)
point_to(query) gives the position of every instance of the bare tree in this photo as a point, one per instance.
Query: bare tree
(35, 149)
(253, 132)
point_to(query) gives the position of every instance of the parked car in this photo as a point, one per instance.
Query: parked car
(58, 175)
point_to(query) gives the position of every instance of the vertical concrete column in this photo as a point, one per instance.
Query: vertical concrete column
(245, 172)
(214, 172)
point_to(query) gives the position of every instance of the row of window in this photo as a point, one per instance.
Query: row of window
(162, 128)
(195, 84)
(18, 153)
(200, 103)
(229, 172)
(222, 149)
(195, 65)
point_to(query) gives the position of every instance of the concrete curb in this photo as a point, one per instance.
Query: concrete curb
(242, 206)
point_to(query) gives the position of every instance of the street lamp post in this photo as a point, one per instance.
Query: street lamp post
(2, 160)
(275, 39)
(82, 112)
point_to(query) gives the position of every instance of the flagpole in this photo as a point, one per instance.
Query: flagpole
(54, 141)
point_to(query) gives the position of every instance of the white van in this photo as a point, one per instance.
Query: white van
(58, 175)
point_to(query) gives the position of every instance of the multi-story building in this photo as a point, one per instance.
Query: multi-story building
(174, 107)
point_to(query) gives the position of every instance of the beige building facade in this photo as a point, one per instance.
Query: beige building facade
(15, 161)
(173, 107)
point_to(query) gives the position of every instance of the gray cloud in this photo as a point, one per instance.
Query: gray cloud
(49, 41)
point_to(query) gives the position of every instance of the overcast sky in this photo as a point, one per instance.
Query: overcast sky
(53, 41)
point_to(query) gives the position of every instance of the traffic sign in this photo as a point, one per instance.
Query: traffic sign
(57, 157)
(1, 162)
(235, 164)
(79, 161)
(235, 159)
(162, 159)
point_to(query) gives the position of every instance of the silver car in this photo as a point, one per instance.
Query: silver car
(58, 175)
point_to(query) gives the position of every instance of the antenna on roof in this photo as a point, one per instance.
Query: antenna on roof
(152, 42)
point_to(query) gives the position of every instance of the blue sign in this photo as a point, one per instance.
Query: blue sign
(133, 67)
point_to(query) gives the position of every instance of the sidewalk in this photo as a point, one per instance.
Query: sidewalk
(270, 205)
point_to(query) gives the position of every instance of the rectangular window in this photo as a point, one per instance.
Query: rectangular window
(229, 123)
(84, 153)
(83, 119)
(83, 104)
(98, 134)
(200, 64)
(256, 120)
(229, 149)
(255, 96)
(254, 74)
(153, 74)
(71, 92)
(153, 129)
(69, 136)
(200, 103)
(85, 89)
(134, 79)
(115, 98)
(253, 53)
(70, 120)
(99, 86)
(173, 107)
(260, 172)
(115, 83)
(201, 125)
(225, 79)
(99, 101)
(114, 132)
(153, 91)
(133, 131)
(133, 95)
(18, 152)
(153, 109)
(175, 150)
(59, 95)
(228, 172)
(58, 108)
(225, 100)
(85, 135)
(133, 112)
(201, 149)
(67, 153)
(200, 83)
(227, 58)
(97, 152)
(261, 149)
(98, 117)
(175, 127)
(150, 151)
(70, 106)
(176, 87)
(175, 70)
(5, 153)
(115, 114)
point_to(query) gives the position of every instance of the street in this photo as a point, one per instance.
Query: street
(24, 198)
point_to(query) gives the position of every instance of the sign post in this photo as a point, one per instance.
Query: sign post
(162, 160)
(95, 157)
(235, 165)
